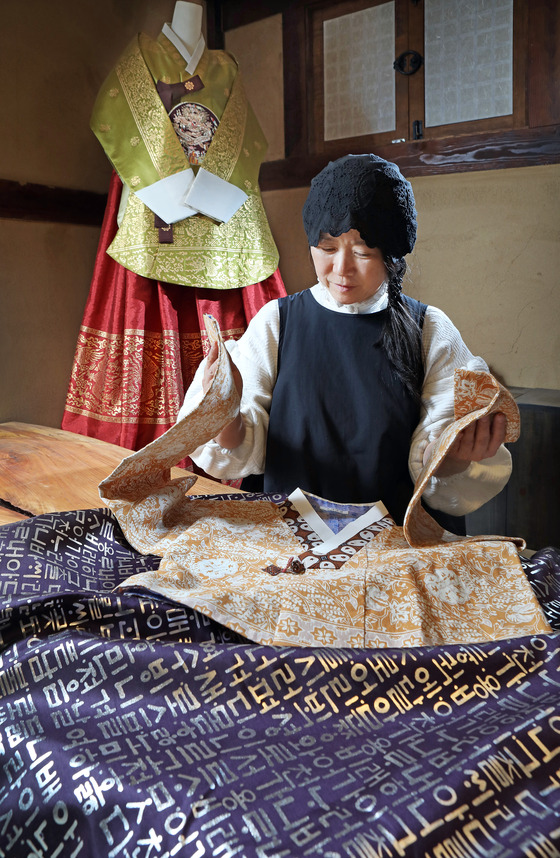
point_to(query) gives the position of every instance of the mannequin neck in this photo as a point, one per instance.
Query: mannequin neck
(187, 23)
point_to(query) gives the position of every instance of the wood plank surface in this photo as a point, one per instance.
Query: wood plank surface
(50, 470)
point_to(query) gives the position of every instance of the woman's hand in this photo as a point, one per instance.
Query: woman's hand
(481, 440)
(233, 434)
(211, 366)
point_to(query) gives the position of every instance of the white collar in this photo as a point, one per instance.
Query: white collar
(192, 60)
(374, 512)
(372, 305)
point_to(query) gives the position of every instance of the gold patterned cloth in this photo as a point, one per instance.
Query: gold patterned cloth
(410, 586)
(138, 136)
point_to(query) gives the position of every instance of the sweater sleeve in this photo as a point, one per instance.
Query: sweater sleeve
(444, 351)
(255, 355)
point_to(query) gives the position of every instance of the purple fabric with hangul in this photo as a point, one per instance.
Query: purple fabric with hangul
(132, 726)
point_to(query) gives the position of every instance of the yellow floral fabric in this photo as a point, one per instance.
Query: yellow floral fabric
(409, 586)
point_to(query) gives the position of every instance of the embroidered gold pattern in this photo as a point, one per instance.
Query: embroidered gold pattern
(134, 141)
(113, 92)
(189, 85)
(135, 181)
(104, 127)
(238, 253)
(149, 113)
(227, 142)
(134, 376)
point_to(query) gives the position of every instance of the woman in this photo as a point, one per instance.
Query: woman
(346, 385)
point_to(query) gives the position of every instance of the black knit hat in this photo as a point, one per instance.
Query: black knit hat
(366, 193)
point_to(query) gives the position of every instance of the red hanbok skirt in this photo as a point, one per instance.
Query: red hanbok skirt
(140, 343)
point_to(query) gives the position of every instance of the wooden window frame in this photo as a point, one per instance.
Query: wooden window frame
(317, 145)
(531, 137)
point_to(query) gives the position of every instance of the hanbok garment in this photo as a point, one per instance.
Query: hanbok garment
(141, 337)
(278, 572)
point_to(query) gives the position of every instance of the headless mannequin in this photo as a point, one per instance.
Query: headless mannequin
(222, 199)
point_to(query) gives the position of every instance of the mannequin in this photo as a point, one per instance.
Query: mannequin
(183, 195)
(174, 120)
(187, 23)
(185, 232)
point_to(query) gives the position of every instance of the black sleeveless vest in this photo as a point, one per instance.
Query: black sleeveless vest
(340, 422)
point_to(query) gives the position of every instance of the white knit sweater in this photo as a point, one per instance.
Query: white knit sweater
(255, 354)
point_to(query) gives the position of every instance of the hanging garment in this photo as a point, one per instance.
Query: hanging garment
(140, 343)
(209, 138)
(240, 563)
(141, 338)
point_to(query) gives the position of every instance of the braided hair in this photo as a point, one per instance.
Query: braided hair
(402, 335)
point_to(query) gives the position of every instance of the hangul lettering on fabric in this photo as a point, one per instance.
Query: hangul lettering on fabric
(155, 671)
(14, 769)
(129, 628)
(239, 675)
(116, 829)
(48, 780)
(29, 626)
(218, 772)
(445, 663)
(91, 795)
(37, 843)
(15, 549)
(384, 666)
(263, 695)
(486, 686)
(119, 686)
(518, 661)
(210, 691)
(91, 676)
(241, 699)
(182, 700)
(12, 679)
(261, 827)
(177, 620)
(54, 618)
(70, 833)
(218, 719)
(12, 835)
(430, 687)
(273, 754)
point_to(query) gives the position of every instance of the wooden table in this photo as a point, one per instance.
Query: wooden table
(51, 470)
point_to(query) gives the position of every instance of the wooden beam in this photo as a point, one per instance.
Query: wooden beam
(520, 147)
(33, 202)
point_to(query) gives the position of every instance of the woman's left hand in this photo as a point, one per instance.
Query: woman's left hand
(481, 440)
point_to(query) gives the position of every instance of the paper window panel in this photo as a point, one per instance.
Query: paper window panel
(468, 53)
(359, 80)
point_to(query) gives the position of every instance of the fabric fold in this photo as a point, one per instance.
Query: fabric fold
(477, 394)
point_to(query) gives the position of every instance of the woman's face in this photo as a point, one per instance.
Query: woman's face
(351, 271)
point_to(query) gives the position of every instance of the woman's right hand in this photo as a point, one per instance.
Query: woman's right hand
(211, 366)
(233, 434)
